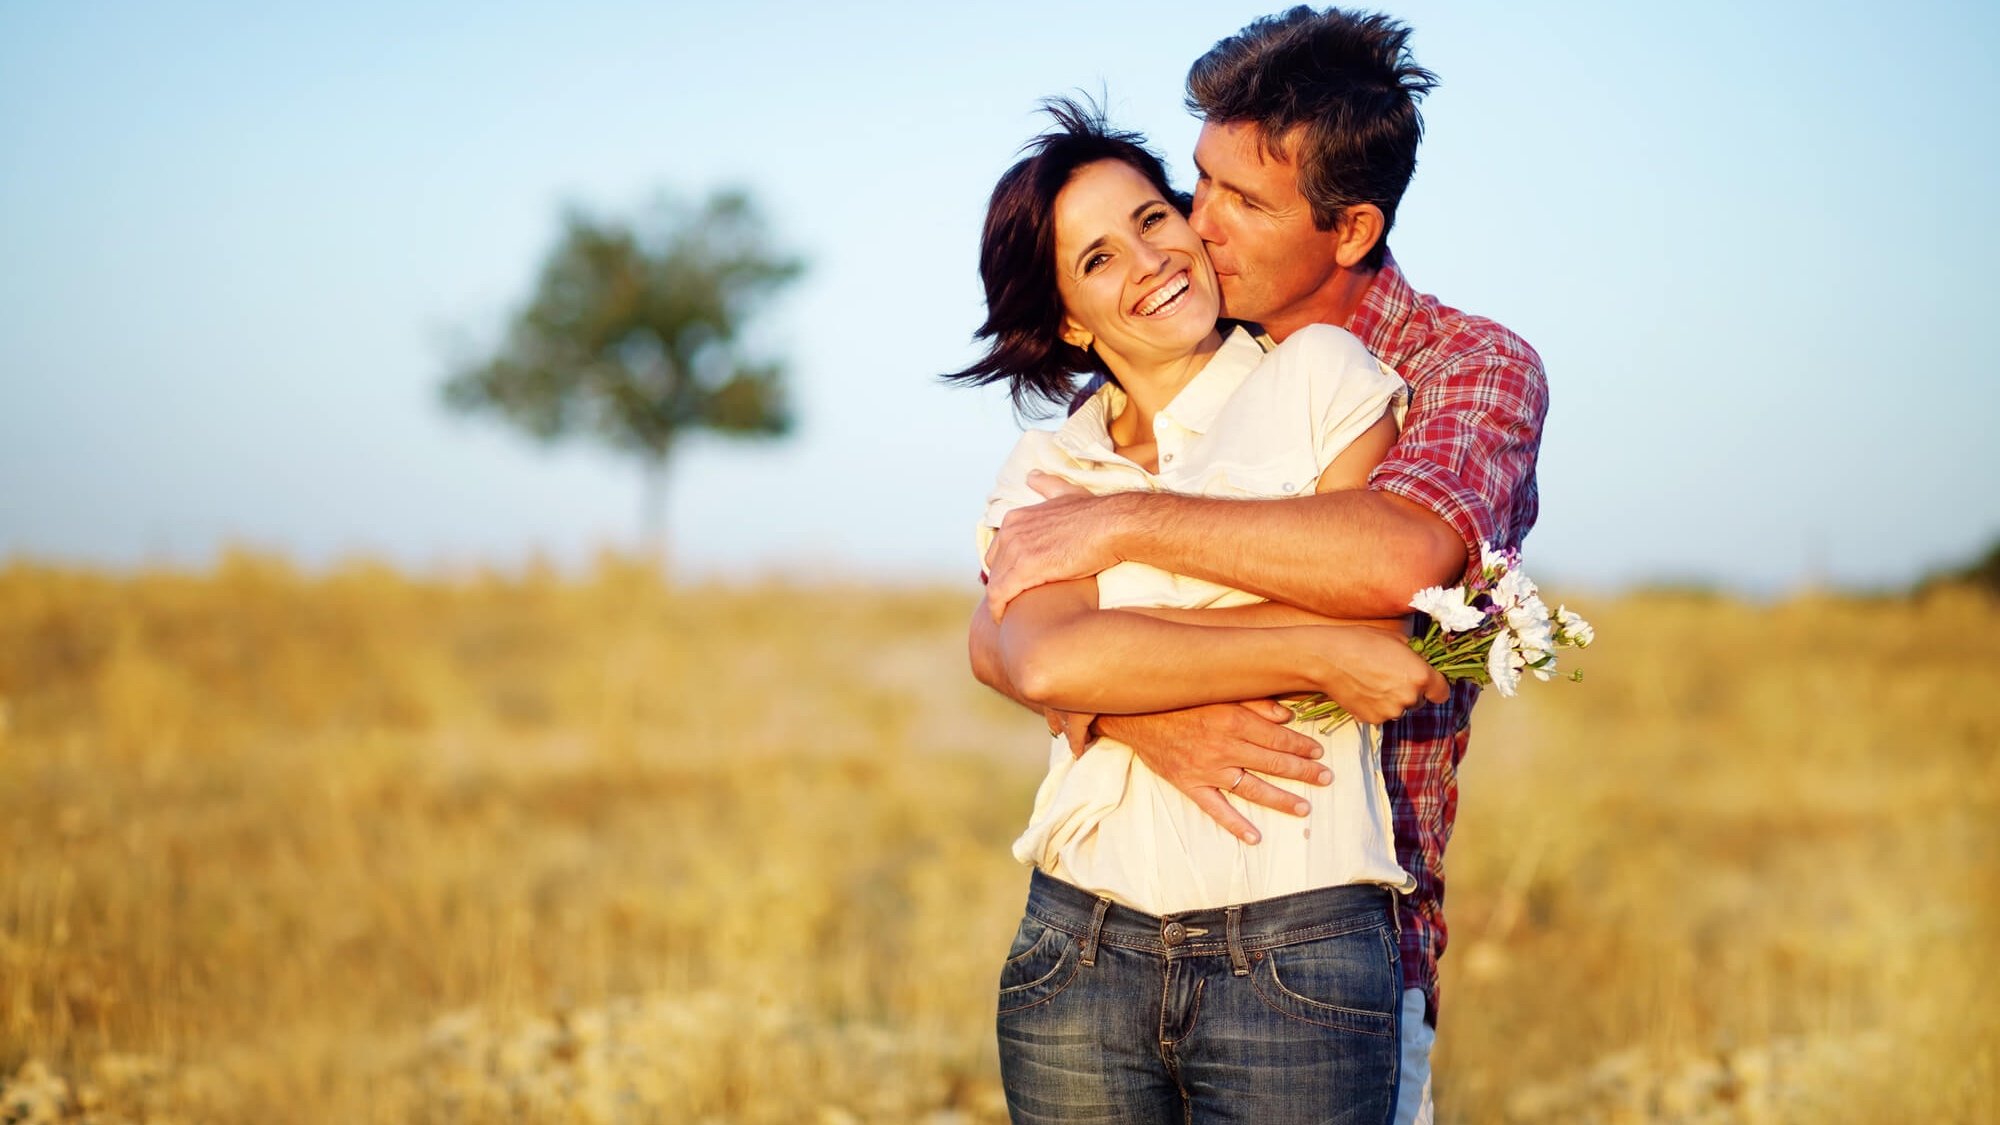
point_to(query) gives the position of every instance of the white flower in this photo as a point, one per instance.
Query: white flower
(1516, 588)
(1574, 631)
(1494, 562)
(1526, 612)
(1543, 666)
(1503, 663)
(1447, 607)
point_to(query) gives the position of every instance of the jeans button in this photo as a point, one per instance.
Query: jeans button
(1175, 933)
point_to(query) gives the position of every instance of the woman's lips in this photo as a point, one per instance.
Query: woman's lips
(1167, 298)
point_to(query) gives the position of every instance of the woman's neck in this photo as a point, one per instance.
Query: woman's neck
(1148, 389)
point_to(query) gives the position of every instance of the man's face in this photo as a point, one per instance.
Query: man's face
(1268, 256)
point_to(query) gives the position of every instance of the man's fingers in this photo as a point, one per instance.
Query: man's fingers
(1211, 801)
(1053, 487)
(1269, 710)
(1260, 792)
(1261, 722)
(1284, 740)
(1076, 728)
(1278, 764)
(1000, 589)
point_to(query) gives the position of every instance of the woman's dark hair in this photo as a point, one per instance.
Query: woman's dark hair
(1017, 257)
(1345, 81)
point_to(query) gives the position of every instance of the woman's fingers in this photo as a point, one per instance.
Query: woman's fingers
(1437, 689)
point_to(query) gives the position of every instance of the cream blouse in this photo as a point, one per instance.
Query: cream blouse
(1249, 424)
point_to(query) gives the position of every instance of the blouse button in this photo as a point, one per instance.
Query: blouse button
(1290, 487)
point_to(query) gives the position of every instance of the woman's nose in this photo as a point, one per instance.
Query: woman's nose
(1148, 259)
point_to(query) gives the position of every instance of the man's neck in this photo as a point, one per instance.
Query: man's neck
(1332, 303)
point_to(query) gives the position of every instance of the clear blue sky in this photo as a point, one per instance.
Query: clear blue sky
(241, 244)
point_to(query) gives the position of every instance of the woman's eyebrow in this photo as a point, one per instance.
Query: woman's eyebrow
(1084, 254)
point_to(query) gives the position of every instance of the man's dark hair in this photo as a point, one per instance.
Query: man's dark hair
(1017, 257)
(1344, 80)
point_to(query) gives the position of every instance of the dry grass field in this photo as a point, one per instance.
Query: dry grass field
(365, 847)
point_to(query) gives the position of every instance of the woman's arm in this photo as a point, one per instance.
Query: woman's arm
(1057, 650)
(1264, 615)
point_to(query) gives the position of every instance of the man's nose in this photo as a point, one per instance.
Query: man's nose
(1198, 218)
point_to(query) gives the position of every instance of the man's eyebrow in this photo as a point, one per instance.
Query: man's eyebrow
(1255, 201)
(1083, 255)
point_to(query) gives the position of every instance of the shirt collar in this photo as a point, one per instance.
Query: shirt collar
(1385, 308)
(1087, 433)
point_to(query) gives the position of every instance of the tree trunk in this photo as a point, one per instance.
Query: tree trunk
(653, 511)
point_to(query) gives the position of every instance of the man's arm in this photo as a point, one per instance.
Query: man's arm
(1351, 554)
(1468, 449)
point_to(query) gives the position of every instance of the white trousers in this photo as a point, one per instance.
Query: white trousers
(1413, 1091)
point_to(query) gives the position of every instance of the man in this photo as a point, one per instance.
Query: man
(1309, 138)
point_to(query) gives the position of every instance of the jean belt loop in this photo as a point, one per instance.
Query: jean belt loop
(1232, 925)
(1096, 928)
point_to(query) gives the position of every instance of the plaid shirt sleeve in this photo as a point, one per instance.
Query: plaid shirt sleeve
(1469, 442)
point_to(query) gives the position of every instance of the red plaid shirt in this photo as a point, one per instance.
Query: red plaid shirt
(1467, 452)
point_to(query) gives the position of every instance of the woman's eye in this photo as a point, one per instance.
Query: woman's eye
(1152, 219)
(1094, 261)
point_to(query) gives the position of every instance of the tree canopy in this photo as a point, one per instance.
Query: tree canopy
(635, 335)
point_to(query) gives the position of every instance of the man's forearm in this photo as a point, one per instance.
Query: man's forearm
(1353, 554)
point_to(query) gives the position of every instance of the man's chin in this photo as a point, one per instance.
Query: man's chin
(1229, 312)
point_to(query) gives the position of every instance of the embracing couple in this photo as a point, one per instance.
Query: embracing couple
(1235, 916)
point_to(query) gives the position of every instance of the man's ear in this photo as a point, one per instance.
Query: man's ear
(1358, 229)
(1076, 334)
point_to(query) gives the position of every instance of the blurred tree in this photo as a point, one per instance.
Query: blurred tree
(1980, 574)
(635, 336)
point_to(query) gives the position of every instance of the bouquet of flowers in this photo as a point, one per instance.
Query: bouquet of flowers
(1488, 629)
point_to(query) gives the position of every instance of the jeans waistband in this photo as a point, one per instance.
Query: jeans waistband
(1247, 927)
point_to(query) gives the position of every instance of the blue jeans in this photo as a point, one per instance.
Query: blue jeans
(1280, 1012)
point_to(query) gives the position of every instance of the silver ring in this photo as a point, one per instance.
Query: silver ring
(1241, 773)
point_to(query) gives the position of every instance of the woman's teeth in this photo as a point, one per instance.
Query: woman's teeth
(1163, 296)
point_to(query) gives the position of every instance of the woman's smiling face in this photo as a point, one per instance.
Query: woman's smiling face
(1134, 280)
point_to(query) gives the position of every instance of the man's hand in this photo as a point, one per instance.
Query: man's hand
(1224, 747)
(1074, 727)
(1065, 536)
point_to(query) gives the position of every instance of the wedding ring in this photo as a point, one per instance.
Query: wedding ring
(1241, 773)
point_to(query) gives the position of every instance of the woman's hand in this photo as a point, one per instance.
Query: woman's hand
(1377, 676)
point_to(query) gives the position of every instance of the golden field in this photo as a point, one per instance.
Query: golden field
(366, 847)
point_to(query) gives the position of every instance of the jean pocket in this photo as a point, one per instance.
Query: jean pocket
(1350, 981)
(1041, 963)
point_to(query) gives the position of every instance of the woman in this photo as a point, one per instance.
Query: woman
(1165, 970)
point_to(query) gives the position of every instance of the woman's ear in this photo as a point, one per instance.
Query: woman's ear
(1076, 335)
(1357, 231)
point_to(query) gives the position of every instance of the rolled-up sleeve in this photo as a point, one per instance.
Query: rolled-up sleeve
(1468, 447)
